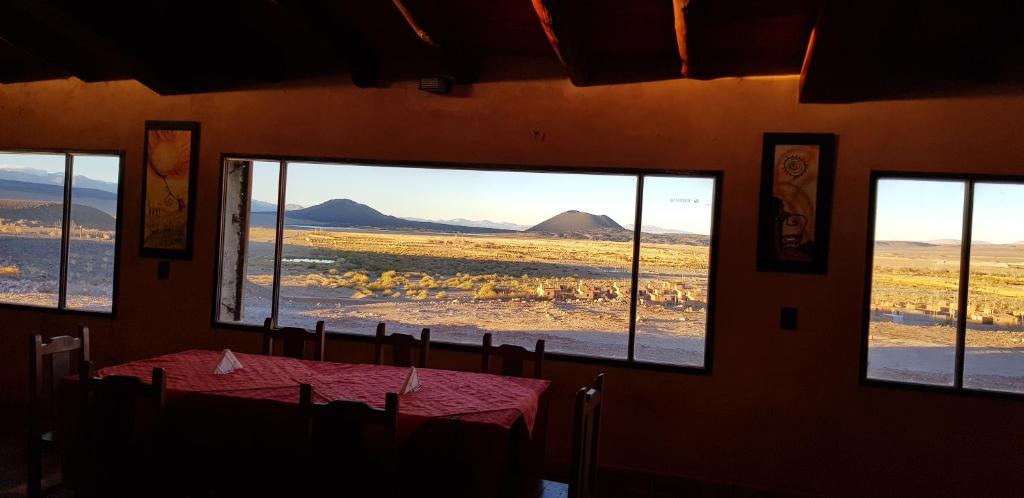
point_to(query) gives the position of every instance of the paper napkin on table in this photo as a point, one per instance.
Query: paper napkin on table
(412, 382)
(228, 363)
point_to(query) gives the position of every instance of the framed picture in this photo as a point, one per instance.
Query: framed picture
(170, 157)
(797, 170)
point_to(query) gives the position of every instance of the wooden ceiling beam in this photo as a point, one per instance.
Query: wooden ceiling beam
(679, 11)
(38, 28)
(434, 29)
(340, 30)
(560, 20)
(17, 66)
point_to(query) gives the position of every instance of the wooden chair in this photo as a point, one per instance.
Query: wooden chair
(401, 347)
(512, 358)
(585, 432)
(294, 340)
(583, 459)
(49, 363)
(353, 438)
(119, 430)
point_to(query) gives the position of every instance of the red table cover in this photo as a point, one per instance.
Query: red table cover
(470, 397)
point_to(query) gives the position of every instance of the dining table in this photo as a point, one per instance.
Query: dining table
(459, 433)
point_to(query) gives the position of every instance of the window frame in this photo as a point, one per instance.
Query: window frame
(69, 153)
(963, 288)
(639, 173)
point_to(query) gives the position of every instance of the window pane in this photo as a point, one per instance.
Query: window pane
(912, 333)
(91, 247)
(247, 264)
(671, 319)
(994, 354)
(259, 266)
(524, 256)
(31, 214)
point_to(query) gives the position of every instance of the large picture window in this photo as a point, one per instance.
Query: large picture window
(58, 229)
(523, 255)
(946, 298)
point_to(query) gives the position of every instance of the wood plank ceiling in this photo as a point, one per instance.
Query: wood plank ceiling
(858, 51)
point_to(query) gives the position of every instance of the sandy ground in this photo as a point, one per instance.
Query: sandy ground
(34, 272)
(590, 328)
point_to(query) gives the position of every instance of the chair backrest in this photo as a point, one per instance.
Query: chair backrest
(119, 418)
(401, 347)
(512, 357)
(586, 428)
(354, 438)
(119, 395)
(49, 363)
(293, 340)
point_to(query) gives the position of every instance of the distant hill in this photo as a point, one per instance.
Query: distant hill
(46, 213)
(956, 242)
(29, 191)
(902, 243)
(271, 207)
(504, 225)
(33, 175)
(349, 213)
(574, 221)
(659, 230)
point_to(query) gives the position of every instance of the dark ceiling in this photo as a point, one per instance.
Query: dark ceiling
(863, 50)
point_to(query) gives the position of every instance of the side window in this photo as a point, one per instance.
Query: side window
(943, 311)
(58, 230)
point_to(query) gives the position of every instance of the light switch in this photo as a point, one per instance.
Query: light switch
(787, 318)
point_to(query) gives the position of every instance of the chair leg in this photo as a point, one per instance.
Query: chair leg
(34, 465)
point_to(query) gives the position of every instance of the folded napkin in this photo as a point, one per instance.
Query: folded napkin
(412, 382)
(228, 363)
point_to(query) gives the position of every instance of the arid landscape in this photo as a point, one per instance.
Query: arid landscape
(30, 266)
(31, 214)
(522, 287)
(914, 308)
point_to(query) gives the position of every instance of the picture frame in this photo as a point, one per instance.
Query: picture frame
(170, 160)
(794, 218)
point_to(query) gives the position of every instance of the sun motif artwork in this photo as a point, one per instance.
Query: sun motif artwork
(167, 189)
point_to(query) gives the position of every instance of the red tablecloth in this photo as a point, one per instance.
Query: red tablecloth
(463, 434)
(471, 397)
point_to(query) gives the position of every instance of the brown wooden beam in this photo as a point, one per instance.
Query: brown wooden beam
(435, 30)
(679, 10)
(338, 23)
(46, 32)
(559, 19)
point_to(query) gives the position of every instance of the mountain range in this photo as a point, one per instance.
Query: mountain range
(573, 224)
(30, 191)
(503, 225)
(32, 175)
(271, 207)
(939, 242)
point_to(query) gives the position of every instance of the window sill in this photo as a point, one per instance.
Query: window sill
(472, 348)
(937, 389)
(56, 311)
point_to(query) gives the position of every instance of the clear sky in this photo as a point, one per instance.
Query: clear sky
(998, 213)
(917, 210)
(500, 196)
(103, 168)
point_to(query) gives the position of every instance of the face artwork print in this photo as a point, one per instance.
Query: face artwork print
(795, 193)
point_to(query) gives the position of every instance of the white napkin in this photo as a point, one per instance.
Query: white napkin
(412, 382)
(228, 363)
